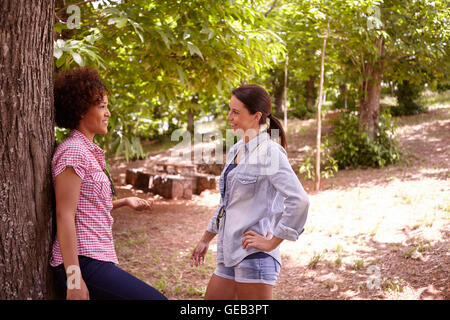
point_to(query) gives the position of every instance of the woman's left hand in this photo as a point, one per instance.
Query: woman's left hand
(255, 240)
(139, 204)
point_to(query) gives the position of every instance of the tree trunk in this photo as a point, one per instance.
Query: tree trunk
(370, 106)
(343, 92)
(370, 103)
(190, 114)
(27, 142)
(278, 97)
(311, 93)
(319, 114)
(190, 121)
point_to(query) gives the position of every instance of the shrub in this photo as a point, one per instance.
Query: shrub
(328, 165)
(407, 94)
(354, 149)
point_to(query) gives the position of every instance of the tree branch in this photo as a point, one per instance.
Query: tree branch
(274, 4)
(75, 4)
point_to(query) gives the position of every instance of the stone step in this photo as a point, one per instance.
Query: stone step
(171, 186)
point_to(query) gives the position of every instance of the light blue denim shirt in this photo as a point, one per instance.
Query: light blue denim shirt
(263, 194)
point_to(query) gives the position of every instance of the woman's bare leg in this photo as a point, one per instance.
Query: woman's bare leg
(253, 291)
(220, 289)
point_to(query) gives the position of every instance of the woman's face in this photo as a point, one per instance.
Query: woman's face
(240, 118)
(95, 121)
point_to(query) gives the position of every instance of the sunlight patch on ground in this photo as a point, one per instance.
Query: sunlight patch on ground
(354, 218)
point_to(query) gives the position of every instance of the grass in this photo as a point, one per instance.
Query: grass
(315, 259)
(359, 264)
(430, 98)
(339, 251)
(394, 287)
(131, 238)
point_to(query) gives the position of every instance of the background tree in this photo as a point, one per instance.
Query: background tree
(372, 37)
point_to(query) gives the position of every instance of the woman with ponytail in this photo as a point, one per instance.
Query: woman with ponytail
(262, 203)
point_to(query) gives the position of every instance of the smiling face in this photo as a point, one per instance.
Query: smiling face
(95, 121)
(240, 119)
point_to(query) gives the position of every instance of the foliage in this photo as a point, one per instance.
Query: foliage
(407, 94)
(60, 134)
(347, 98)
(353, 148)
(155, 56)
(328, 164)
(300, 24)
(158, 57)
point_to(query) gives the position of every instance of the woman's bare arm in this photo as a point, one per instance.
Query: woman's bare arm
(67, 192)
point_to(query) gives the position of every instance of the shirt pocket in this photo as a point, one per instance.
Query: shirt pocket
(101, 185)
(245, 185)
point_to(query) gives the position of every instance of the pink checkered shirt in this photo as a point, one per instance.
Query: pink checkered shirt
(93, 221)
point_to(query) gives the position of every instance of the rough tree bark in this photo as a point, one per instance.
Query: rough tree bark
(27, 142)
(370, 105)
(370, 102)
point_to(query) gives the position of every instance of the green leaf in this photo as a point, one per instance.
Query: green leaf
(77, 58)
(57, 53)
(181, 75)
(60, 43)
(60, 62)
(59, 27)
(193, 49)
(120, 22)
(165, 38)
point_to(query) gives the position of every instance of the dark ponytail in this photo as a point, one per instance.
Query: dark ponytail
(257, 99)
(275, 124)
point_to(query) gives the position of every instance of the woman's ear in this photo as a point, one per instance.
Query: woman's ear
(258, 116)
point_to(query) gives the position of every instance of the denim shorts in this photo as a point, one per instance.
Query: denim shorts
(258, 267)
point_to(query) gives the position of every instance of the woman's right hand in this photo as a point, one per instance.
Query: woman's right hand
(199, 253)
(81, 293)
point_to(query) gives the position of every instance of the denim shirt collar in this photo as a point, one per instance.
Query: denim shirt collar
(256, 141)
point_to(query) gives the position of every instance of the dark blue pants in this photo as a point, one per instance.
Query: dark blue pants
(106, 281)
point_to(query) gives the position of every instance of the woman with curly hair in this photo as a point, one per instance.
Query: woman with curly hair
(83, 254)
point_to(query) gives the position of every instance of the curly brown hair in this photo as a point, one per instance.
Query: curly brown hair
(75, 91)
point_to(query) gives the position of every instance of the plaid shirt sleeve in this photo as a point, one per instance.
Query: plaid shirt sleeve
(70, 156)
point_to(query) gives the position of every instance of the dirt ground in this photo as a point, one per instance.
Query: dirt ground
(370, 233)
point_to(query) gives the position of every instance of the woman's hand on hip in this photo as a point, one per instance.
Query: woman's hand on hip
(255, 240)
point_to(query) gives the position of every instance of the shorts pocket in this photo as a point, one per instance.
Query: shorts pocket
(257, 270)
